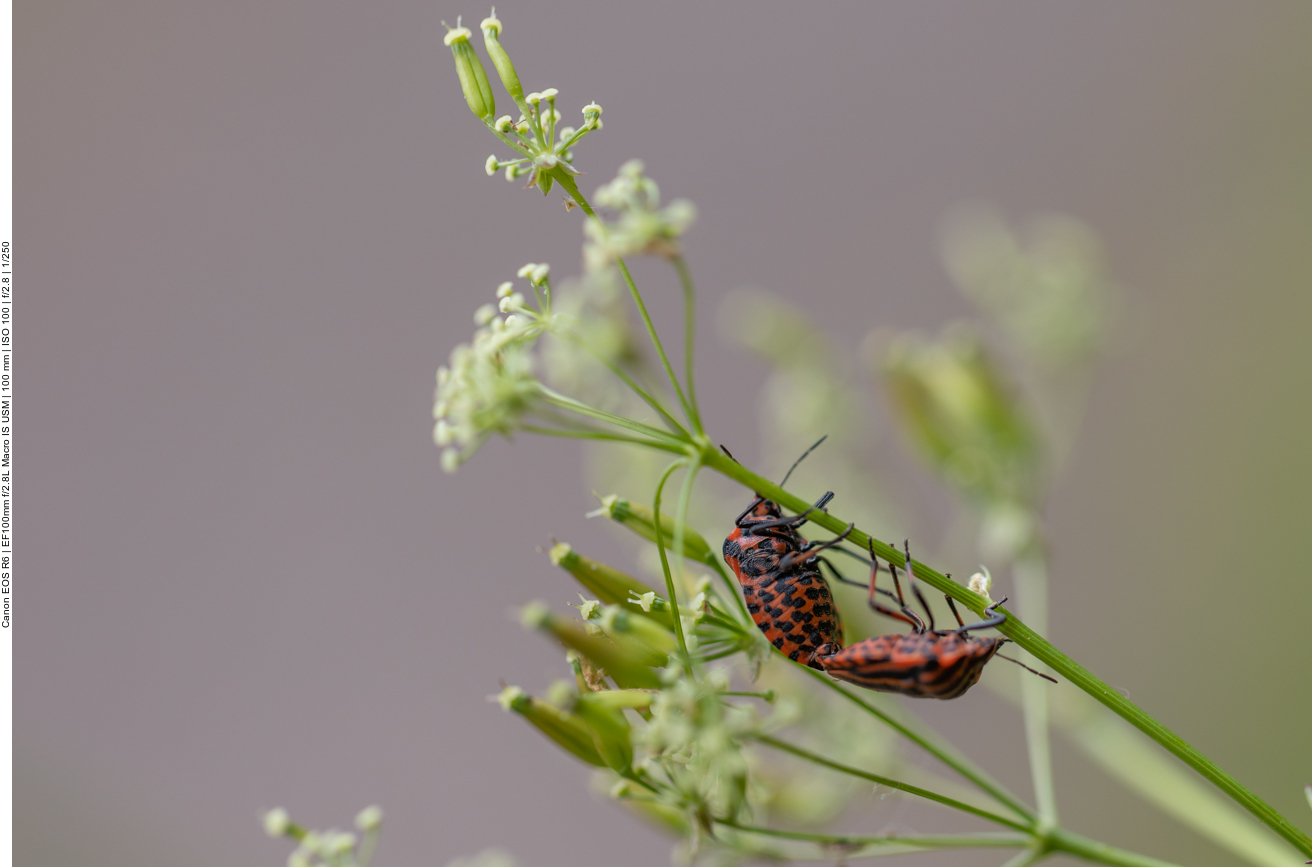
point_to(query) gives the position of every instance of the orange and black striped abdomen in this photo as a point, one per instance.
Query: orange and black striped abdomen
(922, 665)
(793, 607)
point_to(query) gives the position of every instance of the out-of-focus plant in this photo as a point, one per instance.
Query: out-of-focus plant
(689, 716)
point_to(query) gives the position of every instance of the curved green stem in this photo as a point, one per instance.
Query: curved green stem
(594, 435)
(936, 747)
(567, 183)
(1041, 649)
(809, 756)
(1064, 841)
(1031, 576)
(689, 336)
(665, 566)
(618, 420)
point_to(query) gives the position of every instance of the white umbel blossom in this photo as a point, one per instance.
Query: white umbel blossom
(642, 227)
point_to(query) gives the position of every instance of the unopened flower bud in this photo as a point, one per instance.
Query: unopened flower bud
(442, 434)
(513, 301)
(277, 823)
(504, 290)
(550, 93)
(491, 165)
(369, 819)
(539, 274)
(504, 123)
(533, 98)
(450, 460)
(628, 662)
(491, 28)
(563, 727)
(610, 730)
(638, 518)
(607, 583)
(485, 314)
(525, 270)
(592, 109)
(473, 80)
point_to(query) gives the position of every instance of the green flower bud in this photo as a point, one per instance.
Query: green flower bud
(610, 730)
(618, 620)
(473, 80)
(639, 519)
(607, 583)
(505, 69)
(563, 727)
(627, 661)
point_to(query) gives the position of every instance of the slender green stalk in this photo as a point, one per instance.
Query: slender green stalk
(936, 747)
(618, 420)
(1031, 577)
(1025, 859)
(629, 381)
(689, 335)
(681, 512)
(567, 183)
(665, 566)
(1041, 649)
(809, 756)
(593, 435)
(924, 841)
(1062, 840)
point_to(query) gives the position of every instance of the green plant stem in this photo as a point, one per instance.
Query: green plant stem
(1041, 649)
(593, 435)
(567, 183)
(784, 746)
(936, 747)
(927, 841)
(629, 381)
(573, 405)
(681, 513)
(1061, 840)
(1031, 577)
(689, 335)
(665, 567)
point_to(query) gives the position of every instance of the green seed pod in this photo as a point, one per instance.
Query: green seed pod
(960, 413)
(628, 662)
(639, 519)
(610, 730)
(491, 41)
(473, 80)
(615, 620)
(567, 729)
(607, 583)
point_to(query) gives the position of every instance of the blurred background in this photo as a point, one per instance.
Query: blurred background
(248, 233)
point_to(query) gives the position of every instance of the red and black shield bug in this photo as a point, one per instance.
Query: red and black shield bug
(927, 663)
(786, 595)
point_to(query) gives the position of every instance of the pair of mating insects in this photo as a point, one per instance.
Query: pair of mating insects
(790, 601)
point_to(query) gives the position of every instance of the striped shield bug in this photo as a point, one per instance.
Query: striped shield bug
(928, 662)
(787, 597)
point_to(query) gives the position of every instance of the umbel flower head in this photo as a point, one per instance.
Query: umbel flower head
(488, 384)
(543, 146)
(643, 226)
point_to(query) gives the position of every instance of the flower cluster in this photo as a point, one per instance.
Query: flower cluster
(642, 225)
(489, 383)
(331, 848)
(543, 146)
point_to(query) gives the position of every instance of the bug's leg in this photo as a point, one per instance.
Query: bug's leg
(905, 615)
(795, 521)
(915, 590)
(897, 585)
(792, 559)
(1027, 668)
(955, 612)
(994, 618)
(738, 521)
(838, 576)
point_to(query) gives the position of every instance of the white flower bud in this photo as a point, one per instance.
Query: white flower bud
(443, 434)
(539, 274)
(484, 314)
(514, 323)
(646, 600)
(505, 289)
(450, 460)
(491, 165)
(981, 582)
(456, 33)
(277, 822)
(533, 98)
(526, 270)
(591, 108)
(550, 93)
(522, 127)
(512, 302)
(509, 696)
(369, 818)
(504, 123)
(566, 132)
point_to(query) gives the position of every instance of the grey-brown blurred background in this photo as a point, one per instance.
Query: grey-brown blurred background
(249, 231)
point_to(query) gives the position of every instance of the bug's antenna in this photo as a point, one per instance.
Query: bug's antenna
(1027, 668)
(799, 460)
(725, 449)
